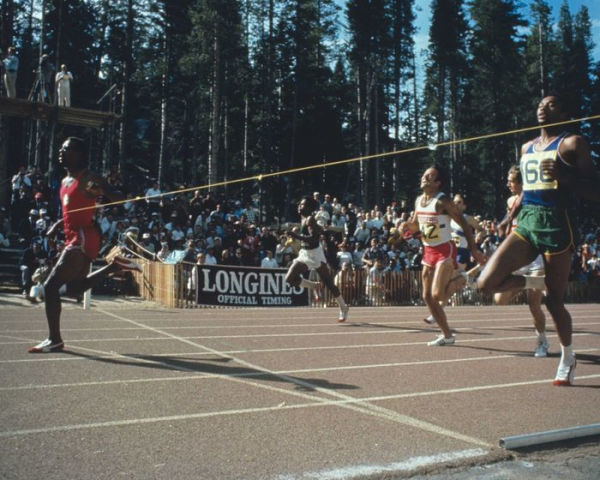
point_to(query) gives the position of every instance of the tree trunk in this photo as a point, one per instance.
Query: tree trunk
(163, 111)
(127, 68)
(213, 153)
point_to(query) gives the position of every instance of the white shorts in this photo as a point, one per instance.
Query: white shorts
(534, 268)
(311, 258)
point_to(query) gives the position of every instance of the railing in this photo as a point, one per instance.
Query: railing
(174, 286)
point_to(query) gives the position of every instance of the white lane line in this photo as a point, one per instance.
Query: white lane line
(357, 405)
(319, 403)
(376, 324)
(405, 466)
(76, 345)
(208, 375)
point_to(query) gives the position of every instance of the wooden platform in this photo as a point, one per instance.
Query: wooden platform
(18, 107)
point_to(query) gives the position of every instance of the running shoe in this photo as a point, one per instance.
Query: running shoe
(343, 313)
(541, 350)
(441, 341)
(37, 292)
(47, 347)
(470, 282)
(125, 264)
(317, 292)
(429, 320)
(565, 375)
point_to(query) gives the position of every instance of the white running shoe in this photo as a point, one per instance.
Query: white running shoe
(429, 320)
(541, 350)
(343, 313)
(125, 264)
(37, 292)
(441, 341)
(565, 375)
(470, 282)
(47, 346)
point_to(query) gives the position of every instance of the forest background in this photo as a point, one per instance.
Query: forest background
(210, 91)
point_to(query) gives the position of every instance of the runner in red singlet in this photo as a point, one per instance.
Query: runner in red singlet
(78, 193)
(432, 215)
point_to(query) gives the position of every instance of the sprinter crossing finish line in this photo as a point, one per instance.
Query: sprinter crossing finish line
(554, 167)
(78, 194)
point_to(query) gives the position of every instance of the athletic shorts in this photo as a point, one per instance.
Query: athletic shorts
(548, 230)
(463, 255)
(434, 255)
(312, 258)
(534, 268)
(86, 239)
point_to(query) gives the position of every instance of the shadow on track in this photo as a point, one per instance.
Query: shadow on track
(217, 368)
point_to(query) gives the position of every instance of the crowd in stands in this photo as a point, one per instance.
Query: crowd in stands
(203, 227)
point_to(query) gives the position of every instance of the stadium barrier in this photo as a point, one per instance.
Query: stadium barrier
(175, 286)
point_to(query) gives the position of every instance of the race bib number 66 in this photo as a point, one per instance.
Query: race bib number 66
(531, 171)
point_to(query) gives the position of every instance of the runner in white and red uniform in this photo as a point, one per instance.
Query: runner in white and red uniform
(78, 194)
(433, 212)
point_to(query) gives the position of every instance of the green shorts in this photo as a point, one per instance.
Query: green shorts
(549, 230)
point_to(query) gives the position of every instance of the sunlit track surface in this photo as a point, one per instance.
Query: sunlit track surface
(147, 392)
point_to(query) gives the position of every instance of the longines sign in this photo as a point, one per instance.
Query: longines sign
(246, 286)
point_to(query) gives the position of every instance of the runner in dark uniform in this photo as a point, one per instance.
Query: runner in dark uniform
(78, 193)
(311, 256)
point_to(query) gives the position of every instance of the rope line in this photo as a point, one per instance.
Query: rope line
(262, 176)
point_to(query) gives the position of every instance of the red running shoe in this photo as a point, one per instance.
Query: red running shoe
(565, 375)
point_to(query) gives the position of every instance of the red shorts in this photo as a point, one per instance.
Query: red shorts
(86, 238)
(434, 255)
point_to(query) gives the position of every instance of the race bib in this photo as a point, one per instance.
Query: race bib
(531, 171)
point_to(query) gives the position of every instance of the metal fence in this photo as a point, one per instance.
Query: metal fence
(174, 286)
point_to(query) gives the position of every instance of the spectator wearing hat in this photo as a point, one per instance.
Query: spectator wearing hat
(147, 243)
(155, 221)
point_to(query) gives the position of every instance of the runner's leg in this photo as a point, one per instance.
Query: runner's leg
(512, 254)
(72, 265)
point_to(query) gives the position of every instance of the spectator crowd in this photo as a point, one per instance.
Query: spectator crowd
(208, 228)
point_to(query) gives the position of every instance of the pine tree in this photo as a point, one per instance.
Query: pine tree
(447, 77)
(498, 70)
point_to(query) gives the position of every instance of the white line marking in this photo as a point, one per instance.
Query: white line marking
(361, 406)
(75, 344)
(203, 375)
(396, 467)
(320, 403)
(525, 320)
